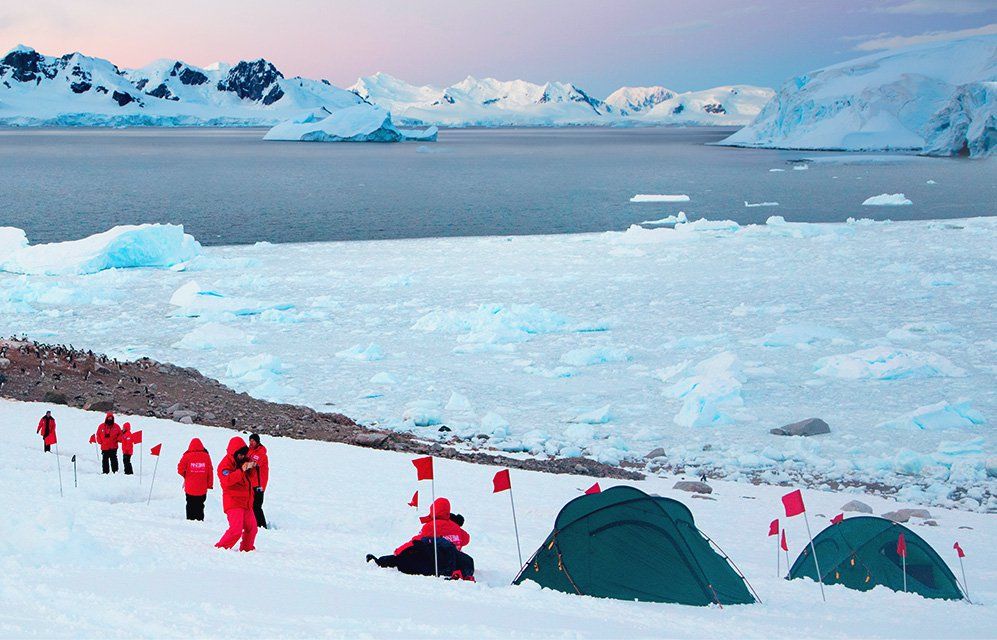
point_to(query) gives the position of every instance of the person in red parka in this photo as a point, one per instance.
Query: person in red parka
(234, 473)
(46, 429)
(108, 437)
(127, 448)
(416, 556)
(198, 478)
(258, 454)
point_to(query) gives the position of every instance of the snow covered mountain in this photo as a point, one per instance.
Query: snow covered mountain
(74, 89)
(937, 97)
(80, 90)
(631, 100)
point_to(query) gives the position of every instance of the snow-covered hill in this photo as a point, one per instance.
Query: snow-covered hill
(936, 97)
(101, 562)
(631, 100)
(79, 90)
(737, 105)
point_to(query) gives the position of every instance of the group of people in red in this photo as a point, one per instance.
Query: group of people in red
(243, 475)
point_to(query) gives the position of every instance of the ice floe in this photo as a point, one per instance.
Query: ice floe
(887, 200)
(941, 415)
(659, 197)
(884, 363)
(710, 393)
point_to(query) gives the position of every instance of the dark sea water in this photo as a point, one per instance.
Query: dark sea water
(228, 186)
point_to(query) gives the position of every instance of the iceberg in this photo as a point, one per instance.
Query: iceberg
(912, 99)
(708, 395)
(887, 200)
(656, 197)
(941, 415)
(360, 123)
(883, 363)
(123, 247)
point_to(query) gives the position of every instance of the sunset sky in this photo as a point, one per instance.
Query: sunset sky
(599, 45)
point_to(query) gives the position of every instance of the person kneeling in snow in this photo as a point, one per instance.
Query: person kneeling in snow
(415, 557)
(234, 474)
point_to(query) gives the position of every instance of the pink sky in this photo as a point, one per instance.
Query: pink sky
(599, 45)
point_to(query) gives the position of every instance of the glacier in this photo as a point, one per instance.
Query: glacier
(359, 123)
(913, 99)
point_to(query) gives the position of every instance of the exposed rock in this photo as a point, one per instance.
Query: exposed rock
(186, 420)
(54, 397)
(99, 405)
(4, 363)
(808, 427)
(693, 486)
(702, 497)
(657, 453)
(101, 369)
(903, 515)
(856, 505)
(371, 439)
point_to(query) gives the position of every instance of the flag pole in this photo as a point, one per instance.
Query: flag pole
(820, 576)
(75, 483)
(141, 450)
(153, 483)
(778, 560)
(788, 566)
(965, 585)
(904, 559)
(515, 526)
(432, 514)
(59, 467)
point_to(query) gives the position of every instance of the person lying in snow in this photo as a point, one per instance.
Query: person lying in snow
(415, 557)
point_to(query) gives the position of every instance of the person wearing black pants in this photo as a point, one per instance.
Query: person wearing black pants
(195, 507)
(109, 461)
(258, 454)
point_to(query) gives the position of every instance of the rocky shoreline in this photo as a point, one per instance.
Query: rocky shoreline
(60, 374)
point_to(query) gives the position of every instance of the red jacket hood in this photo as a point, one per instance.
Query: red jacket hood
(234, 445)
(195, 445)
(439, 511)
(126, 427)
(109, 416)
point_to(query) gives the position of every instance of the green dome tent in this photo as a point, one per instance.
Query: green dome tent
(625, 544)
(861, 553)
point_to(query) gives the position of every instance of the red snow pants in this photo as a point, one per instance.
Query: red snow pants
(241, 523)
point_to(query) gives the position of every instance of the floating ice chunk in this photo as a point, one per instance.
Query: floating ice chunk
(588, 356)
(884, 363)
(494, 425)
(667, 220)
(359, 123)
(918, 330)
(666, 374)
(213, 335)
(657, 197)
(498, 324)
(192, 301)
(941, 415)
(800, 167)
(384, 378)
(370, 353)
(930, 182)
(258, 368)
(637, 234)
(12, 240)
(423, 413)
(801, 334)
(459, 403)
(760, 204)
(713, 389)
(776, 170)
(887, 200)
(602, 415)
(123, 247)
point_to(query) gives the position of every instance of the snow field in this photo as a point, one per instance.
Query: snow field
(857, 323)
(101, 563)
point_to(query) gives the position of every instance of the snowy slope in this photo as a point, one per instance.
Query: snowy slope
(631, 100)
(734, 105)
(100, 562)
(77, 89)
(699, 339)
(885, 101)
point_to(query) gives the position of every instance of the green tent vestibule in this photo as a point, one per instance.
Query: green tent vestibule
(861, 553)
(625, 544)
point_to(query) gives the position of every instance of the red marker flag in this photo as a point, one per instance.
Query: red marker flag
(423, 468)
(593, 489)
(782, 543)
(415, 500)
(501, 481)
(958, 549)
(902, 546)
(838, 518)
(156, 449)
(774, 528)
(793, 502)
(136, 437)
(93, 438)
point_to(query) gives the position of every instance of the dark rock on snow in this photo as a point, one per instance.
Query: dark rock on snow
(693, 486)
(808, 427)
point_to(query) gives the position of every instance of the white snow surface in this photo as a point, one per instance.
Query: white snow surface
(66, 559)
(915, 98)
(359, 123)
(700, 338)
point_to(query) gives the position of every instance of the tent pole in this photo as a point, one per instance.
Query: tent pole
(904, 559)
(432, 514)
(965, 585)
(820, 576)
